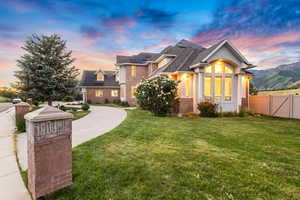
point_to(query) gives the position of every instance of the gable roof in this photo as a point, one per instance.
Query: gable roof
(89, 79)
(185, 55)
(205, 55)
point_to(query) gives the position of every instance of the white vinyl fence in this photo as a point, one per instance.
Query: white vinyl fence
(274, 105)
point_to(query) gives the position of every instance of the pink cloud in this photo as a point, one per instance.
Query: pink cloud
(93, 60)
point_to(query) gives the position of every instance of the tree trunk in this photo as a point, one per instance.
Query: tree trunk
(49, 102)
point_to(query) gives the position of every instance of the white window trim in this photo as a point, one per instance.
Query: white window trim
(212, 89)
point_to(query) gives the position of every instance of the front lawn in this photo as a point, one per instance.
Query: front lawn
(3, 99)
(150, 157)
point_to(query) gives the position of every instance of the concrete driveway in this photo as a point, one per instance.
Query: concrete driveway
(101, 120)
(5, 106)
(11, 183)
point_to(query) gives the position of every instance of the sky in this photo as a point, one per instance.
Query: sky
(267, 32)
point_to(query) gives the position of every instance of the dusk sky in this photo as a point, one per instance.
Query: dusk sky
(266, 31)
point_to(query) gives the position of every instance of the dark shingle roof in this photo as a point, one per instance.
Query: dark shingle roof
(205, 53)
(140, 58)
(89, 78)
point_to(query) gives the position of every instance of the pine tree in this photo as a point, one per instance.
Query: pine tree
(45, 71)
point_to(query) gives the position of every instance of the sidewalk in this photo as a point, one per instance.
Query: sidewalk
(11, 183)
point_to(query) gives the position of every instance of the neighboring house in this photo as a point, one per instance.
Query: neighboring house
(218, 73)
(100, 86)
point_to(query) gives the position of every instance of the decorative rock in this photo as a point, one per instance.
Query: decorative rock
(49, 137)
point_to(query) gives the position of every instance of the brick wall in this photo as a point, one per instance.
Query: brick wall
(141, 72)
(91, 95)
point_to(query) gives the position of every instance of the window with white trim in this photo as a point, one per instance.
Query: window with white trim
(218, 80)
(114, 93)
(99, 93)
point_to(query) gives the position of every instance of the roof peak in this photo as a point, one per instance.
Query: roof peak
(186, 43)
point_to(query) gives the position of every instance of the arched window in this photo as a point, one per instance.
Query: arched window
(218, 80)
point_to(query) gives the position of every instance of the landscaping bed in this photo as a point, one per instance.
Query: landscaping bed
(150, 157)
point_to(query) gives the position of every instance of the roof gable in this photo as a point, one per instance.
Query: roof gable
(89, 79)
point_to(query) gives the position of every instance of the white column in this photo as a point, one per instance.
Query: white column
(200, 87)
(195, 92)
(84, 95)
(239, 92)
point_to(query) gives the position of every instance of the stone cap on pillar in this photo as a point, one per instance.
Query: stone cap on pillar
(22, 104)
(47, 113)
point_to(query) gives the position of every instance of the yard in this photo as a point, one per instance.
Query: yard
(149, 157)
(3, 99)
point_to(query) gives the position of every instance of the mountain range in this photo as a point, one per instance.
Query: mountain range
(285, 76)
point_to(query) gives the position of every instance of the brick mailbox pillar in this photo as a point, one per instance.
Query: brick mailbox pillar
(21, 109)
(49, 142)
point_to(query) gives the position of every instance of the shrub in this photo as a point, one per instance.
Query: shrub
(85, 107)
(243, 112)
(125, 104)
(208, 109)
(117, 101)
(62, 107)
(21, 126)
(36, 103)
(157, 95)
(89, 101)
(68, 99)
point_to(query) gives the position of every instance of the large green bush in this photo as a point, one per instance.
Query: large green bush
(157, 95)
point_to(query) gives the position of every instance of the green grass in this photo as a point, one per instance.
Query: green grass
(280, 92)
(108, 104)
(3, 99)
(168, 158)
(80, 114)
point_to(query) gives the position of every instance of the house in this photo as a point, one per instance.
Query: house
(218, 73)
(100, 86)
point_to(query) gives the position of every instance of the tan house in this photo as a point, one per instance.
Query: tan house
(218, 73)
(100, 86)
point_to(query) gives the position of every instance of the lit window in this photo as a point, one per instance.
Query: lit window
(219, 67)
(228, 89)
(114, 93)
(187, 86)
(208, 69)
(218, 88)
(207, 88)
(221, 74)
(228, 70)
(133, 71)
(133, 89)
(99, 93)
(100, 76)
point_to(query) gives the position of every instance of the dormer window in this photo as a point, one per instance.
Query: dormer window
(100, 76)
(163, 62)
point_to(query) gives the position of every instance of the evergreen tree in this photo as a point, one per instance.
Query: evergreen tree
(45, 71)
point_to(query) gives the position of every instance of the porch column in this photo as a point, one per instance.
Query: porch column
(195, 92)
(200, 87)
(239, 92)
(84, 95)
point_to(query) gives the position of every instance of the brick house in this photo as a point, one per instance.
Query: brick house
(100, 86)
(218, 73)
